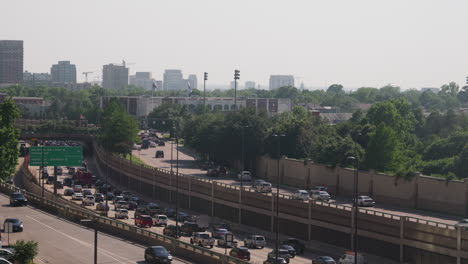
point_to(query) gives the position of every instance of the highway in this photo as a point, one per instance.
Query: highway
(188, 166)
(65, 242)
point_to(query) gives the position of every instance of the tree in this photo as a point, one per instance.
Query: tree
(335, 89)
(463, 95)
(383, 149)
(8, 138)
(119, 130)
(25, 251)
(461, 163)
(452, 88)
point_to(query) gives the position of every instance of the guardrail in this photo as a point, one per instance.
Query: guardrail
(118, 227)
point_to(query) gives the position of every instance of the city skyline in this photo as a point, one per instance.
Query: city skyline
(331, 42)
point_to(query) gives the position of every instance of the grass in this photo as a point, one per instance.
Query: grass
(134, 159)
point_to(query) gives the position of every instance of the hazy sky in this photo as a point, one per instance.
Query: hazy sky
(411, 43)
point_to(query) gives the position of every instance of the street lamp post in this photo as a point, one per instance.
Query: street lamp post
(355, 205)
(279, 136)
(205, 78)
(93, 222)
(236, 77)
(107, 175)
(177, 186)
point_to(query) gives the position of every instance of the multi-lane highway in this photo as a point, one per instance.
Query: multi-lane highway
(188, 166)
(65, 242)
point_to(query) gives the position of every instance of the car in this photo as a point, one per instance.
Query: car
(68, 182)
(221, 170)
(319, 188)
(58, 170)
(302, 195)
(153, 208)
(188, 228)
(135, 199)
(170, 212)
(290, 249)
(244, 176)
(4, 261)
(273, 261)
(157, 254)
(295, 243)
(141, 211)
(282, 253)
(364, 200)
(212, 173)
(18, 198)
(110, 196)
(263, 187)
(182, 216)
(98, 197)
(88, 200)
(68, 192)
(10, 180)
(117, 199)
(257, 182)
(126, 195)
(77, 196)
(348, 258)
(71, 170)
(219, 232)
(17, 224)
(255, 241)
(159, 220)
(152, 144)
(50, 179)
(132, 205)
(121, 213)
(161, 143)
(87, 192)
(320, 196)
(143, 221)
(215, 225)
(78, 188)
(159, 154)
(136, 147)
(202, 239)
(323, 260)
(171, 230)
(207, 165)
(240, 253)
(102, 206)
(117, 192)
(121, 205)
(58, 184)
(221, 242)
(7, 253)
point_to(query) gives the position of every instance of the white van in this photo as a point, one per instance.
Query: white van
(159, 220)
(348, 258)
(263, 187)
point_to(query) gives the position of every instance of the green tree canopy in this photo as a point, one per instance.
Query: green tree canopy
(9, 136)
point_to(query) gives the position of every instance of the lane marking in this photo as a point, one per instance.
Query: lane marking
(102, 251)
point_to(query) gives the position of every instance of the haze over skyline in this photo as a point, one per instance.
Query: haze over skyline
(412, 44)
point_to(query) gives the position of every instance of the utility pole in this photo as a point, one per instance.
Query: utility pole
(279, 136)
(236, 77)
(205, 78)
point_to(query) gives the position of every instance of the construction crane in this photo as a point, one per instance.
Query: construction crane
(86, 75)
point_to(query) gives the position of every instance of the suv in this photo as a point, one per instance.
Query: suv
(244, 176)
(295, 243)
(121, 213)
(159, 220)
(157, 254)
(159, 154)
(302, 195)
(188, 228)
(320, 195)
(170, 230)
(144, 221)
(18, 198)
(203, 239)
(240, 253)
(88, 200)
(255, 241)
(348, 258)
(121, 205)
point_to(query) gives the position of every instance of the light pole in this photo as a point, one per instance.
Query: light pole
(139, 158)
(236, 77)
(177, 186)
(243, 161)
(356, 186)
(205, 78)
(93, 222)
(107, 175)
(279, 136)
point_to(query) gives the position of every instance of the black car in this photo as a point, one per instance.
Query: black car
(183, 217)
(58, 184)
(110, 196)
(135, 199)
(18, 198)
(290, 249)
(68, 182)
(132, 205)
(171, 230)
(296, 244)
(17, 224)
(159, 154)
(68, 192)
(161, 143)
(50, 179)
(140, 211)
(157, 254)
(170, 212)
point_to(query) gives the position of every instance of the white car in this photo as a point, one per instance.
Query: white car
(348, 258)
(263, 187)
(152, 144)
(364, 200)
(88, 200)
(77, 196)
(301, 195)
(244, 176)
(121, 213)
(320, 195)
(78, 188)
(159, 220)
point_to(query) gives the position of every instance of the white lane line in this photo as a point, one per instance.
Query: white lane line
(102, 251)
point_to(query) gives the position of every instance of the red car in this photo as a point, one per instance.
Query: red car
(143, 221)
(240, 253)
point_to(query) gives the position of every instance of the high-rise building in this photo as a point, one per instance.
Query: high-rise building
(249, 84)
(11, 61)
(63, 72)
(32, 79)
(233, 84)
(174, 80)
(192, 79)
(277, 81)
(114, 76)
(142, 79)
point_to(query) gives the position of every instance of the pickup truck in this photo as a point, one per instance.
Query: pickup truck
(255, 241)
(203, 239)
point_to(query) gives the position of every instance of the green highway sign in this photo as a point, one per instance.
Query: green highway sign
(55, 156)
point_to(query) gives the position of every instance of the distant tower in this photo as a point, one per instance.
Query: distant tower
(302, 85)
